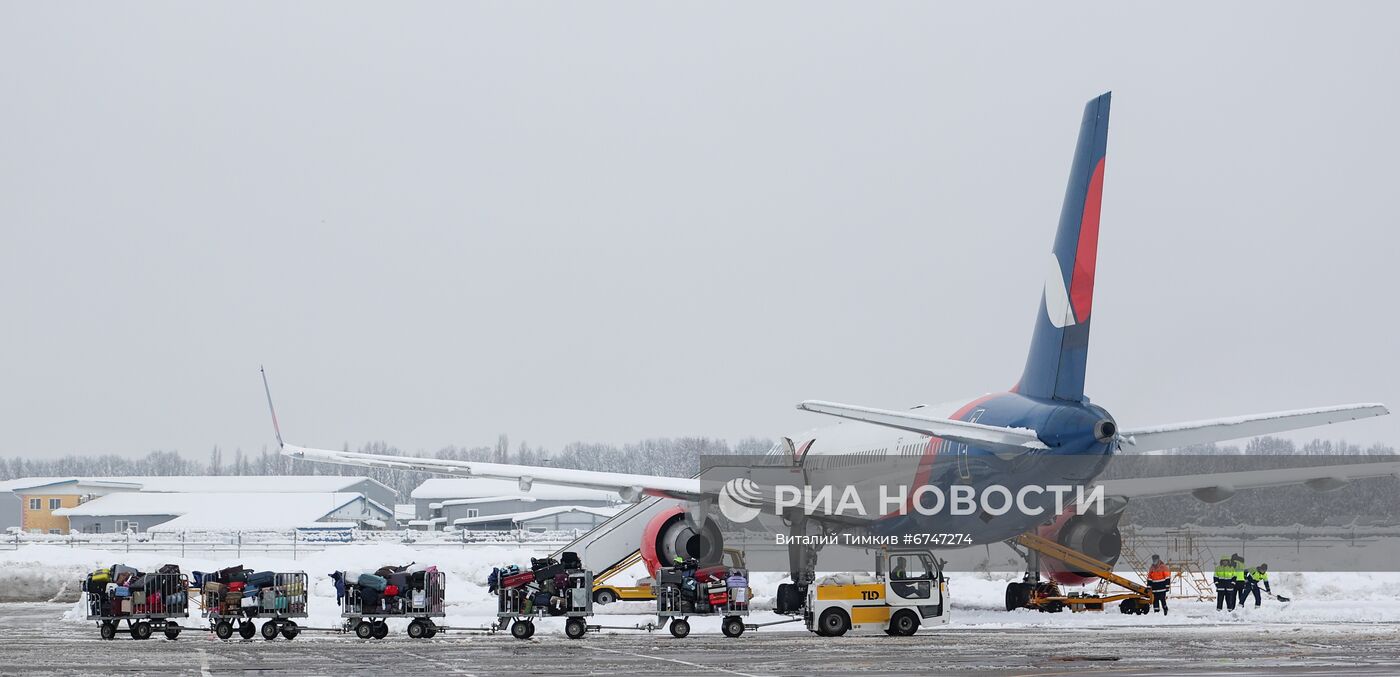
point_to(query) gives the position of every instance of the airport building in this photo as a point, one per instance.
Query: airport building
(56, 505)
(443, 503)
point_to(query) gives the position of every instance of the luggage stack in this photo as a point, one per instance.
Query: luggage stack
(367, 598)
(234, 597)
(146, 602)
(549, 588)
(688, 589)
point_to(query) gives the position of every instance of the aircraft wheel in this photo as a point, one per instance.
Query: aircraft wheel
(108, 630)
(834, 623)
(575, 628)
(904, 623)
(1017, 596)
(223, 630)
(290, 630)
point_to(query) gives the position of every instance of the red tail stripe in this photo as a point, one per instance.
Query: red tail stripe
(1081, 289)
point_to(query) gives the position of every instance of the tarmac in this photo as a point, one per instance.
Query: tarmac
(35, 641)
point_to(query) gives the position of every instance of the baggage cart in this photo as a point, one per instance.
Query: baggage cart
(366, 615)
(276, 600)
(709, 600)
(146, 604)
(517, 607)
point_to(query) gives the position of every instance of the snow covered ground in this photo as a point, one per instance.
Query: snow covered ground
(41, 573)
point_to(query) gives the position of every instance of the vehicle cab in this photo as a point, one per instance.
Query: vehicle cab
(908, 590)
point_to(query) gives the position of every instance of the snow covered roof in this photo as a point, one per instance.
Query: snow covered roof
(218, 484)
(536, 514)
(480, 487)
(483, 500)
(228, 511)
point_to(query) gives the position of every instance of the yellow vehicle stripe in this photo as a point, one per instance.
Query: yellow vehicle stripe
(870, 614)
(861, 592)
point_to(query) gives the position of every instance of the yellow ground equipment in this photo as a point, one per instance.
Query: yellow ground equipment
(907, 590)
(645, 588)
(1046, 595)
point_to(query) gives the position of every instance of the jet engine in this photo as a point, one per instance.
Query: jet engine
(1094, 535)
(668, 536)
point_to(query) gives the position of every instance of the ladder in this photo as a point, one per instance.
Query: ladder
(1078, 561)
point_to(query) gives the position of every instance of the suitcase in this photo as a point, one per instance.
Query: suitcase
(261, 579)
(548, 572)
(373, 582)
(236, 586)
(101, 576)
(399, 580)
(419, 599)
(249, 603)
(669, 576)
(571, 561)
(517, 580)
(122, 591)
(214, 588)
(719, 598)
(126, 607)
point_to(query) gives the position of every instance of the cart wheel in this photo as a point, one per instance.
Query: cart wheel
(432, 632)
(108, 629)
(522, 629)
(575, 628)
(290, 630)
(223, 630)
(141, 630)
(172, 630)
(246, 629)
(364, 630)
(269, 630)
(904, 624)
(381, 629)
(416, 630)
(833, 623)
(732, 627)
(680, 627)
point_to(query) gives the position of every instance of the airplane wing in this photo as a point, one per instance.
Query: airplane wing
(1216, 487)
(1220, 429)
(628, 486)
(990, 437)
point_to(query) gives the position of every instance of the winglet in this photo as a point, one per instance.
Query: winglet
(273, 410)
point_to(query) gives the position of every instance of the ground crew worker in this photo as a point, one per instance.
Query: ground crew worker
(898, 571)
(1225, 584)
(1241, 585)
(1159, 579)
(1253, 577)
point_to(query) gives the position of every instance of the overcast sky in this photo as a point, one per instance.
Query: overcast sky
(438, 222)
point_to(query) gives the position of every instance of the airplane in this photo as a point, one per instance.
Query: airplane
(1042, 429)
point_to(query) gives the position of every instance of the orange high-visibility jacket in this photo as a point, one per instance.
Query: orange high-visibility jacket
(1159, 572)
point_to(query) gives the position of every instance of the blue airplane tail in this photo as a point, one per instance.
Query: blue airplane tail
(1060, 346)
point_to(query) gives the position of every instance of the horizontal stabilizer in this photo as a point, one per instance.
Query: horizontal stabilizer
(1178, 435)
(990, 437)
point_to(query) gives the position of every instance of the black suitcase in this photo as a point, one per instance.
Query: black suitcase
(571, 561)
(548, 572)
